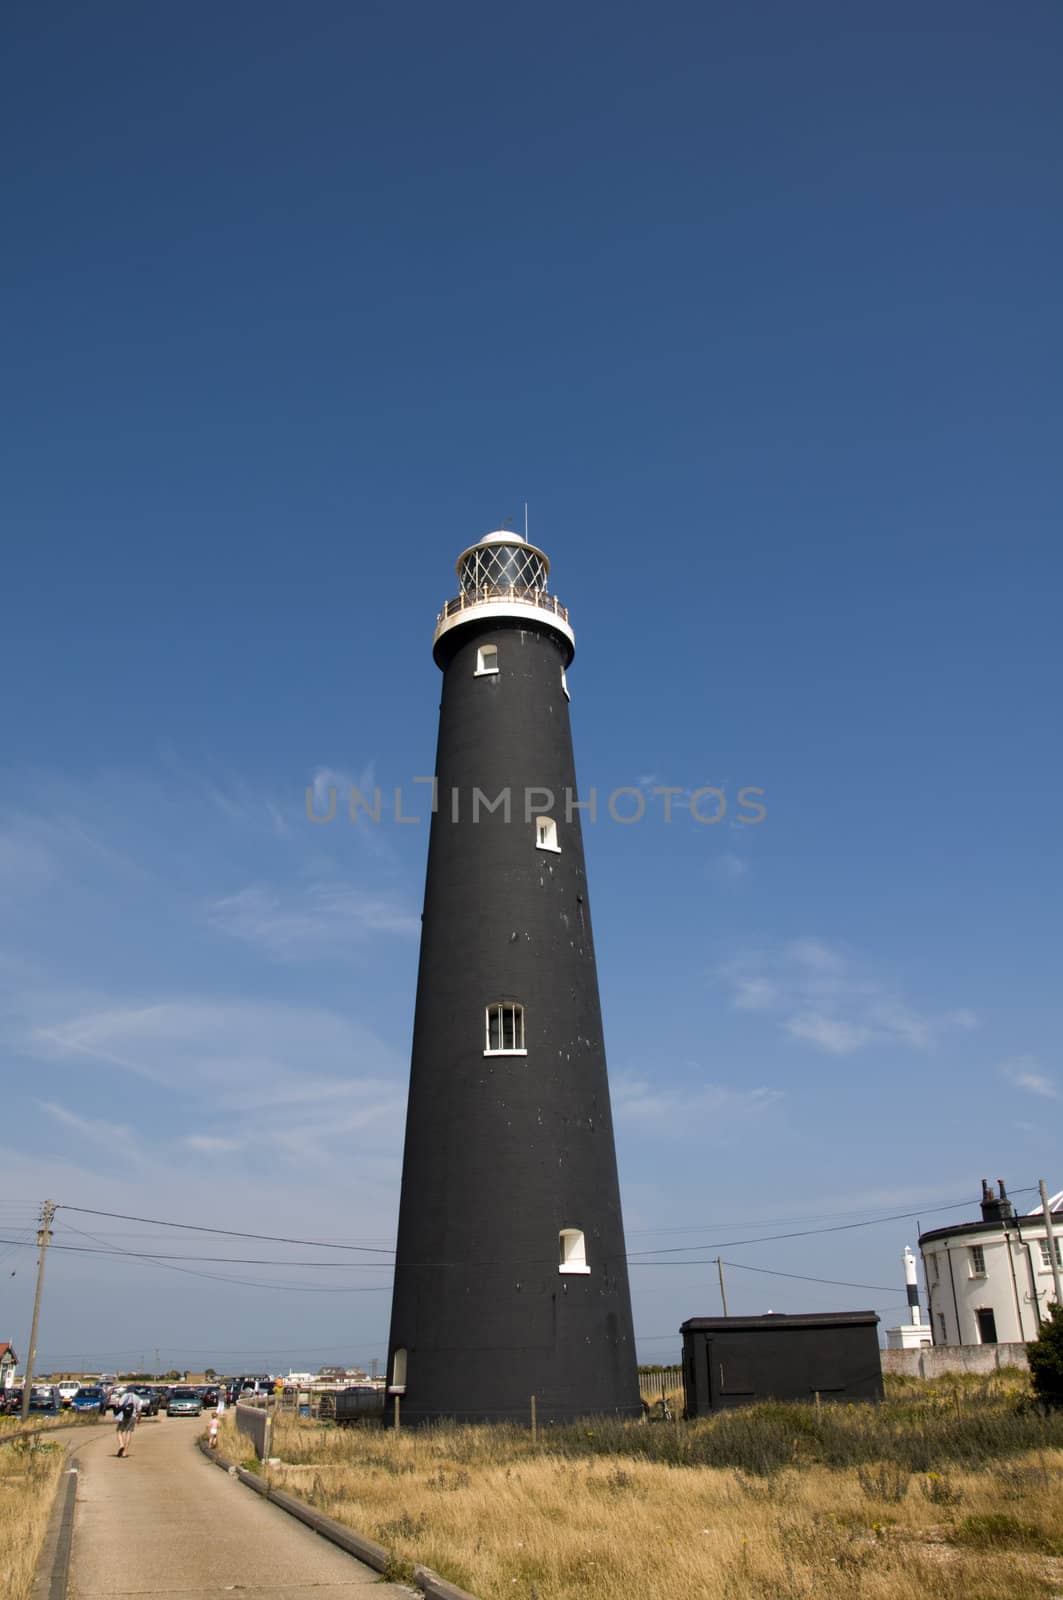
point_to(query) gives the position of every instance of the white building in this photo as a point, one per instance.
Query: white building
(914, 1334)
(991, 1282)
(8, 1363)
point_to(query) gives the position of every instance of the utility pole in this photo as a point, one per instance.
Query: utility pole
(723, 1291)
(1050, 1240)
(44, 1235)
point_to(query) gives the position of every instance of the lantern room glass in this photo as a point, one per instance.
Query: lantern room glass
(503, 569)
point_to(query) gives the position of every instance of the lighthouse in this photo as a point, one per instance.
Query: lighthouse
(510, 1275)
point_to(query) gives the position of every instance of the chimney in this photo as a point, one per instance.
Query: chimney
(995, 1209)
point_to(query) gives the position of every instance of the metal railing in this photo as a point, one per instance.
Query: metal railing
(536, 599)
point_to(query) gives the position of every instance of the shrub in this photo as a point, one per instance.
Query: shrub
(1046, 1360)
(996, 1530)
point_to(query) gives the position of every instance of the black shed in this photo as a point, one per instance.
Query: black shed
(733, 1361)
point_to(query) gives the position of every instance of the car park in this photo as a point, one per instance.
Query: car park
(185, 1403)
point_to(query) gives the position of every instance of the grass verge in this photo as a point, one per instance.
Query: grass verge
(29, 1474)
(770, 1503)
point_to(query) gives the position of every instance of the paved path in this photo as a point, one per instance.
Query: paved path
(165, 1521)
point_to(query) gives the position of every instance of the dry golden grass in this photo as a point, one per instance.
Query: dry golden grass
(510, 1521)
(29, 1475)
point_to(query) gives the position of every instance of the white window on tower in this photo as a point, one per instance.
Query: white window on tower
(486, 660)
(546, 834)
(1046, 1259)
(564, 685)
(977, 1261)
(573, 1251)
(398, 1373)
(504, 1026)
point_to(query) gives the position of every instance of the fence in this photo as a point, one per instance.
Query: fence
(257, 1424)
(655, 1386)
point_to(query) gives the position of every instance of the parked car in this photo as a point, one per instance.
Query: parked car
(148, 1397)
(185, 1402)
(67, 1390)
(211, 1396)
(89, 1398)
(10, 1402)
(45, 1400)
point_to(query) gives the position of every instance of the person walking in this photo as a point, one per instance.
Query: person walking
(126, 1414)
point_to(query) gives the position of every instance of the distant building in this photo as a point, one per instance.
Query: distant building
(915, 1333)
(990, 1282)
(8, 1363)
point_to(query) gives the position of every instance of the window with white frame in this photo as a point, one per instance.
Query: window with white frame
(398, 1373)
(1046, 1258)
(546, 834)
(486, 660)
(505, 1029)
(564, 685)
(573, 1251)
(977, 1259)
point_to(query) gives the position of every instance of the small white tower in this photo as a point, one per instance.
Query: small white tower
(915, 1333)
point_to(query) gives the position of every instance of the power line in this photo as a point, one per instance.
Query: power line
(229, 1233)
(838, 1283)
(806, 1233)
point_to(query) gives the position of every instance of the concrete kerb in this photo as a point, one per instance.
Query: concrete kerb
(52, 1576)
(431, 1585)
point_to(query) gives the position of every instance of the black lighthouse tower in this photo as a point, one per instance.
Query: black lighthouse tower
(511, 1277)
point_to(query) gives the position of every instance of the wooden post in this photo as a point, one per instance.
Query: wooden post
(535, 1427)
(397, 1422)
(817, 1399)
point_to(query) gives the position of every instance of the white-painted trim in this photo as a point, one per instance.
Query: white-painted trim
(481, 670)
(526, 611)
(573, 1248)
(550, 842)
(584, 1270)
(564, 685)
(505, 1052)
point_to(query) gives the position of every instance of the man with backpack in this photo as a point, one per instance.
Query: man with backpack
(126, 1413)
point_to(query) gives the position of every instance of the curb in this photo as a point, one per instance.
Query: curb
(52, 1573)
(431, 1585)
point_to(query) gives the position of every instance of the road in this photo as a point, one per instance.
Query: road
(165, 1521)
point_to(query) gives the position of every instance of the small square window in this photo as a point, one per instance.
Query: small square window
(546, 834)
(486, 660)
(573, 1251)
(1046, 1259)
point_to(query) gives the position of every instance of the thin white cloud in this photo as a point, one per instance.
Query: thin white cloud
(838, 1038)
(823, 996)
(682, 1111)
(308, 924)
(1025, 1073)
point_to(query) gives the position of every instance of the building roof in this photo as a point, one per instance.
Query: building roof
(778, 1319)
(7, 1349)
(998, 1225)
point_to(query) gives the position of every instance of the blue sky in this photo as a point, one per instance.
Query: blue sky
(760, 310)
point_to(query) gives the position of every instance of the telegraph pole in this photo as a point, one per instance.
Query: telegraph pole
(1050, 1240)
(44, 1235)
(723, 1291)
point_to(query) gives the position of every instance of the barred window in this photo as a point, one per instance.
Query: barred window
(505, 1029)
